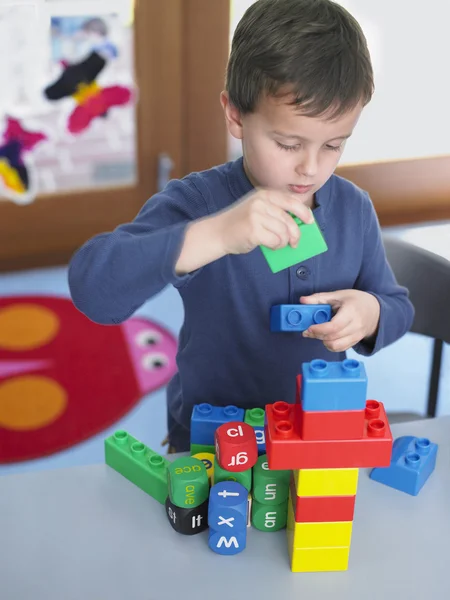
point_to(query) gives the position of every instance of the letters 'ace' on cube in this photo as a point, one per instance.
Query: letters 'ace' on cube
(236, 447)
(188, 482)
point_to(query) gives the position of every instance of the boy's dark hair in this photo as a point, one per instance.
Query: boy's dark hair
(313, 49)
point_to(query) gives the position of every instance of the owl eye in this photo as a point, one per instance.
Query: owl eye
(147, 338)
(154, 361)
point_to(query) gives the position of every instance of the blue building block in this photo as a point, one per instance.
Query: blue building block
(206, 419)
(413, 460)
(334, 385)
(227, 517)
(298, 317)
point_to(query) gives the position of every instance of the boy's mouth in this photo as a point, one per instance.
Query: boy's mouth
(301, 189)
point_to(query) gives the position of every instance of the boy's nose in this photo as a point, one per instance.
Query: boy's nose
(307, 168)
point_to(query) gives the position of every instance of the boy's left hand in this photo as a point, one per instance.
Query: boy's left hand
(356, 318)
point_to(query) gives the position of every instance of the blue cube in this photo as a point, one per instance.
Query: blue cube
(413, 460)
(228, 517)
(334, 385)
(298, 317)
(206, 419)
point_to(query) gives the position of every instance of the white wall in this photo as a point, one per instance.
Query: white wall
(409, 115)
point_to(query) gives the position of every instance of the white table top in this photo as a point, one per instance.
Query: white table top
(86, 533)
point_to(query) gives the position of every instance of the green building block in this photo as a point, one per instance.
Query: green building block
(269, 518)
(198, 448)
(270, 487)
(188, 482)
(311, 244)
(242, 477)
(140, 465)
(255, 417)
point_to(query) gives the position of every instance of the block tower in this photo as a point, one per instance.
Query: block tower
(325, 438)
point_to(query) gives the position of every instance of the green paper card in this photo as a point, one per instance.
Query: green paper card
(311, 244)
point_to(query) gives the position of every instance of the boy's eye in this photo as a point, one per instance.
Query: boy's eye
(334, 148)
(288, 148)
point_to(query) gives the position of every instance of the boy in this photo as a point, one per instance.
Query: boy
(298, 77)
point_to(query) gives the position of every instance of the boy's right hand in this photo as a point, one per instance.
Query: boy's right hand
(261, 219)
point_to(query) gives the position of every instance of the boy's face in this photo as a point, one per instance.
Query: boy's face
(285, 150)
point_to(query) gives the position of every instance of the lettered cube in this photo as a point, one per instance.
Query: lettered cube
(298, 317)
(242, 477)
(206, 419)
(187, 521)
(236, 448)
(227, 543)
(256, 418)
(208, 459)
(228, 502)
(338, 385)
(270, 487)
(188, 482)
(269, 518)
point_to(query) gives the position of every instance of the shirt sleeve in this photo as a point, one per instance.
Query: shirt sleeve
(114, 273)
(376, 277)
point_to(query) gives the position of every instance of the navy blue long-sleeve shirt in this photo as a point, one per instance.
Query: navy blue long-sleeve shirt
(227, 353)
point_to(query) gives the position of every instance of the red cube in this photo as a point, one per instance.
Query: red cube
(236, 446)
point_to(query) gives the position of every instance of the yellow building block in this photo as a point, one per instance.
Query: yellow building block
(326, 482)
(318, 535)
(208, 460)
(313, 560)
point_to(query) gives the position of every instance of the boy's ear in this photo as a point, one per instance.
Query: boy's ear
(232, 116)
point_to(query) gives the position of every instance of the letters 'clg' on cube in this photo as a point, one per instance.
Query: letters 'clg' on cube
(138, 463)
(287, 450)
(206, 419)
(188, 482)
(413, 461)
(228, 517)
(338, 385)
(236, 448)
(187, 521)
(298, 317)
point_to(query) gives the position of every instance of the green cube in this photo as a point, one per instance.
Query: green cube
(242, 477)
(137, 463)
(269, 518)
(270, 487)
(200, 448)
(255, 417)
(311, 244)
(188, 482)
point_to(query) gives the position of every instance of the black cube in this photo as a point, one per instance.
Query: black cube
(187, 521)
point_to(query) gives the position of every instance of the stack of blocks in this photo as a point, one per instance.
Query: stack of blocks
(324, 438)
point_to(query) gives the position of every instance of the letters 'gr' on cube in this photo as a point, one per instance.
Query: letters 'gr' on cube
(137, 463)
(228, 505)
(236, 448)
(270, 487)
(208, 459)
(187, 521)
(188, 482)
(269, 518)
(311, 244)
(338, 385)
(298, 317)
(242, 477)
(413, 461)
(256, 418)
(206, 419)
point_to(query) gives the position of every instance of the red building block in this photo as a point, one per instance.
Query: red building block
(286, 449)
(322, 509)
(236, 446)
(332, 424)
